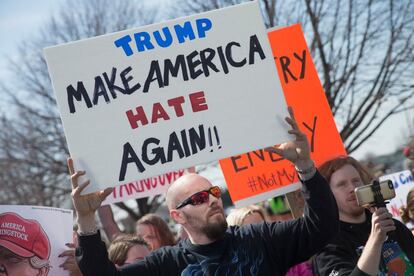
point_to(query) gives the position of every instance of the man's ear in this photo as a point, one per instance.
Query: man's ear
(177, 216)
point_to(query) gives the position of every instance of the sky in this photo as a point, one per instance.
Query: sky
(20, 19)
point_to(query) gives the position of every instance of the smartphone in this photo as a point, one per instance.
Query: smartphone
(365, 195)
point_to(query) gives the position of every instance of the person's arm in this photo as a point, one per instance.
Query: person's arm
(91, 253)
(336, 260)
(295, 241)
(381, 223)
(108, 222)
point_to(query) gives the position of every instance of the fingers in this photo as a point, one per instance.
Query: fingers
(81, 187)
(274, 150)
(70, 166)
(291, 120)
(103, 194)
(68, 253)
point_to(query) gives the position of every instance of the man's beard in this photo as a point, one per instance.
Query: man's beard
(215, 230)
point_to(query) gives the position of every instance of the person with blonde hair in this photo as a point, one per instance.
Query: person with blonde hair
(246, 215)
(127, 249)
(407, 212)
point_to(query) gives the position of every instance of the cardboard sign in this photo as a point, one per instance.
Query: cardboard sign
(259, 175)
(145, 187)
(167, 96)
(37, 235)
(403, 182)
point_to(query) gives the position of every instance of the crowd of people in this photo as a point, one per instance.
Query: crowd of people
(334, 236)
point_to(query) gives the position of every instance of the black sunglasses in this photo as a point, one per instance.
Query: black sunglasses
(201, 197)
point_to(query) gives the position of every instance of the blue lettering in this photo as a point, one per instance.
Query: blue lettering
(203, 25)
(184, 31)
(124, 43)
(142, 40)
(402, 178)
(164, 37)
(168, 38)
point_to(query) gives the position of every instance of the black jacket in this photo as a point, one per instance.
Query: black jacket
(340, 257)
(259, 249)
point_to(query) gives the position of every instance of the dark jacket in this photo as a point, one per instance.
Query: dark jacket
(259, 249)
(340, 257)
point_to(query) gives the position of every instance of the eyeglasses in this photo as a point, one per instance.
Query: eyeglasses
(201, 197)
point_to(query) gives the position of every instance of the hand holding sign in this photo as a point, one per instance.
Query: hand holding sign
(85, 205)
(297, 151)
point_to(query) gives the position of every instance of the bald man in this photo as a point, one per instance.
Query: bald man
(213, 248)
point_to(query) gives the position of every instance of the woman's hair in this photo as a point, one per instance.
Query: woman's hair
(161, 227)
(407, 212)
(329, 167)
(237, 216)
(118, 250)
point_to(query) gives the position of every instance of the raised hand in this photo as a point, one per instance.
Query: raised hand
(85, 205)
(297, 151)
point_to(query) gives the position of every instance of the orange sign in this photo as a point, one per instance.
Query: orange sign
(260, 175)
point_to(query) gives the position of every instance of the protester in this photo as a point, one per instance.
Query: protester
(407, 212)
(408, 150)
(246, 215)
(155, 231)
(360, 247)
(212, 248)
(24, 247)
(127, 249)
(70, 264)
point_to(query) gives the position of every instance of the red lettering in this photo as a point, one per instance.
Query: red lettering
(158, 112)
(177, 104)
(198, 101)
(135, 118)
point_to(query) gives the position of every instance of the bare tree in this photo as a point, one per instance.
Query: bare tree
(33, 148)
(363, 51)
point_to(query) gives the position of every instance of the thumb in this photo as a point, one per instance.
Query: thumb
(105, 193)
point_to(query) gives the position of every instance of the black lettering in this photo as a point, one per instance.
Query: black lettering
(100, 90)
(197, 140)
(129, 156)
(229, 55)
(110, 83)
(78, 94)
(126, 79)
(312, 130)
(154, 70)
(174, 145)
(173, 69)
(255, 47)
(158, 152)
(284, 62)
(192, 64)
(235, 166)
(303, 62)
(206, 56)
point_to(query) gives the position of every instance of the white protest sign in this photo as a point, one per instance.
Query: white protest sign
(403, 182)
(38, 234)
(167, 96)
(145, 187)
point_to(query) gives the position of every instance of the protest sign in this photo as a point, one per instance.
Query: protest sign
(403, 182)
(145, 187)
(259, 175)
(167, 96)
(37, 235)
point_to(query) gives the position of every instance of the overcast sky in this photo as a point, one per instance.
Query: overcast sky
(20, 19)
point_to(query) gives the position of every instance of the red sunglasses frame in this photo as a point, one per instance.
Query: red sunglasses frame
(197, 199)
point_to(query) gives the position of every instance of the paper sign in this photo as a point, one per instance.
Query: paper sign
(145, 187)
(259, 175)
(403, 182)
(168, 96)
(37, 236)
